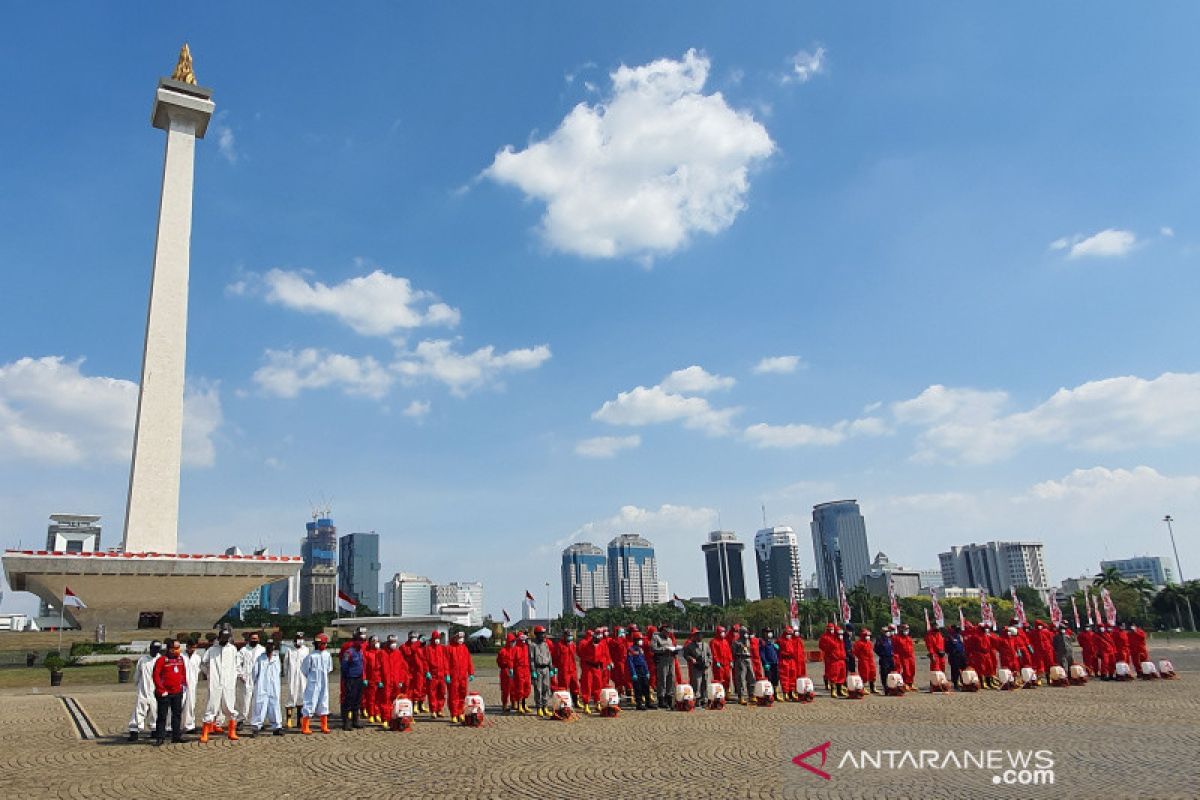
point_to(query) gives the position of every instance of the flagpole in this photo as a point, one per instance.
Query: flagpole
(62, 610)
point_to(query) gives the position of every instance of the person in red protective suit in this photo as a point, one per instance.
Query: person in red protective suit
(566, 671)
(504, 662)
(1087, 650)
(1121, 643)
(617, 647)
(755, 656)
(462, 672)
(646, 638)
(1042, 638)
(863, 650)
(437, 670)
(1026, 655)
(372, 679)
(905, 654)
(414, 661)
(935, 644)
(833, 651)
(1106, 654)
(522, 683)
(604, 657)
(1137, 646)
(985, 657)
(1005, 648)
(722, 672)
(589, 692)
(787, 665)
(395, 675)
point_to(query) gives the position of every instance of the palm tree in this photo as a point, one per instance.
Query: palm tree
(1145, 591)
(1109, 577)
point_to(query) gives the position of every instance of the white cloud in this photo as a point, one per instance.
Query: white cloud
(288, 372)
(1108, 243)
(417, 409)
(805, 65)
(436, 359)
(650, 406)
(801, 435)
(226, 145)
(695, 380)
(1104, 415)
(50, 412)
(372, 305)
(1101, 484)
(777, 365)
(1166, 231)
(606, 446)
(642, 170)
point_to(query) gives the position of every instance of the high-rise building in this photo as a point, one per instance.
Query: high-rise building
(931, 578)
(905, 582)
(778, 557)
(632, 572)
(996, 567)
(408, 595)
(465, 596)
(318, 572)
(723, 564)
(358, 566)
(1157, 570)
(584, 577)
(284, 596)
(839, 536)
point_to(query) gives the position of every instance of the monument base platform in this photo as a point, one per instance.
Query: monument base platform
(125, 591)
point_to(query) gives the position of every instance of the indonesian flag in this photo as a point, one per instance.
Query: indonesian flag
(794, 612)
(1110, 609)
(71, 600)
(1087, 604)
(675, 601)
(507, 618)
(892, 600)
(532, 602)
(1055, 612)
(345, 602)
(844, 604)
(1075, 609)
(938, 616)
(578, 610)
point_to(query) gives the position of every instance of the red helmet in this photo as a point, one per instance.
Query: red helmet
(538, 629)
(323, 638)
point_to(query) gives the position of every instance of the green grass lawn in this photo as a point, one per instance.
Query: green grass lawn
(39, 677)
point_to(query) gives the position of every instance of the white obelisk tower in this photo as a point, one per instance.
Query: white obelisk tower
(182, 109)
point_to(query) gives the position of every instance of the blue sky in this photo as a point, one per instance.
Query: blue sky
(494, 279)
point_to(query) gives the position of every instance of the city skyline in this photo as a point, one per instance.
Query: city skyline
(401, 312)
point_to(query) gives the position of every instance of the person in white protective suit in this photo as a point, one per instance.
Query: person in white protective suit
(267, 707)
(294, 675)
(220, 664)
(247, 657)
(191, 663)
(145, 709)
(316, 668)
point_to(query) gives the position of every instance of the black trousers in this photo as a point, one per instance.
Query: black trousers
(174, 704)
(772, 673)
(641, 690)
(351, 695)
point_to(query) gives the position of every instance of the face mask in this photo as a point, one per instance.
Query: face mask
(223, 639)
(321, 645)
(299, 643)
(392, 645)
(270, 648)
(253, 643)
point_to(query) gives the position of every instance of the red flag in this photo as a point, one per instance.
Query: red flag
(845, 605)
(345, 602)
(1018, 606)
(926, 610)
(1096, 608)
(1075, 609)
(895, 607)
(1056, 617)
(962, 620)
(1087, 604)
(794, 611)
(985, 610)
(1110, 609)
(938, 616)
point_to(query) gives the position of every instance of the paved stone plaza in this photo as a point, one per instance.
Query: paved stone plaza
(1108, 740)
